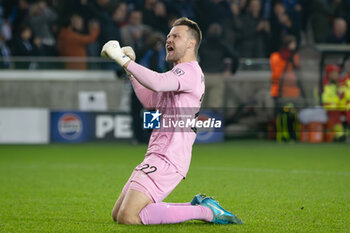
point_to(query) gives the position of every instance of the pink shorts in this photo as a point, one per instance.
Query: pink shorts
(154, 177)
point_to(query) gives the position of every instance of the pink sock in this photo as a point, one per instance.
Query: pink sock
(178, 204)
(164, 213)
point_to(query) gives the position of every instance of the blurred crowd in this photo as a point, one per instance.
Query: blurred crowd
(251, 28)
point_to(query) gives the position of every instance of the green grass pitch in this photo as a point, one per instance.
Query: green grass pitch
(271, 187)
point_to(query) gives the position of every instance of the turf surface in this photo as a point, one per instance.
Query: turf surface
(272, 187)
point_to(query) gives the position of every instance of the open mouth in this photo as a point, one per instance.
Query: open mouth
(170, 49)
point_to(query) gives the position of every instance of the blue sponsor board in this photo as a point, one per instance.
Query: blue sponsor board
(69, 126)
(210, 135)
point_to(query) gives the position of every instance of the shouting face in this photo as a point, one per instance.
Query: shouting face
(177, 43)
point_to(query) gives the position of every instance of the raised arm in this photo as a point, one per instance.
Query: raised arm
(157, 82)
(147, 97)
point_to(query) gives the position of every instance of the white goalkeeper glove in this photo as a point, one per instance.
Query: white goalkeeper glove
(112, 50)
(128, 51)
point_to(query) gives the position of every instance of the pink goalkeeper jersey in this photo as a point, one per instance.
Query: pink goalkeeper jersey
(176, 92)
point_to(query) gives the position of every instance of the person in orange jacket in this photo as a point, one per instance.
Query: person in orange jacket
(284, 63)
(72, 43)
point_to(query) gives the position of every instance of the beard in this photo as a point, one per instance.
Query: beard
(171, 58)
(174, 55)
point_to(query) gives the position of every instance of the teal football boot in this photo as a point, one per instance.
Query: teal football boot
(198, 199)
(221, 216)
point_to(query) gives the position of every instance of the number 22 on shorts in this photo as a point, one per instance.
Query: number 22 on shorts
(148, 169)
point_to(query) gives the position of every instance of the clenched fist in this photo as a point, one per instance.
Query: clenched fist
(113, 51)
(128, 51)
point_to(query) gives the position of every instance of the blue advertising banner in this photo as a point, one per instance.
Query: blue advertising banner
(210, 135)
(71, 126)
(78, 127)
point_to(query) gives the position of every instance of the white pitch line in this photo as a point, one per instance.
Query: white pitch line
(260, 170)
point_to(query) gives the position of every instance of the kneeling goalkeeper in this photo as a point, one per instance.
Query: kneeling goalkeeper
(169, 153)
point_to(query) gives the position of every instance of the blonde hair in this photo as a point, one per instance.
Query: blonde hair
(194, 29)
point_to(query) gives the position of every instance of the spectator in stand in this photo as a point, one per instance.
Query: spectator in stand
(230, 35)
(294, 11)
(120, 14)
(153, 56)
(2, 9)
(340, 8)
(148, 12)
(242, 5)
(110, 29)
(135, 32)
(266, 9)
(5, 27)
(72, 43)
(5, 53)
(99, 10)
(338, 35)
(218, 61)
(253, 32)
(161, 22)
(24, 45)
(88, 9)
(321, 13)
(18, 15)
(41, 19)
(213, 11)
(281, 25)
(182, 8)
(265, 20)
(5, 36)
(239, 10)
